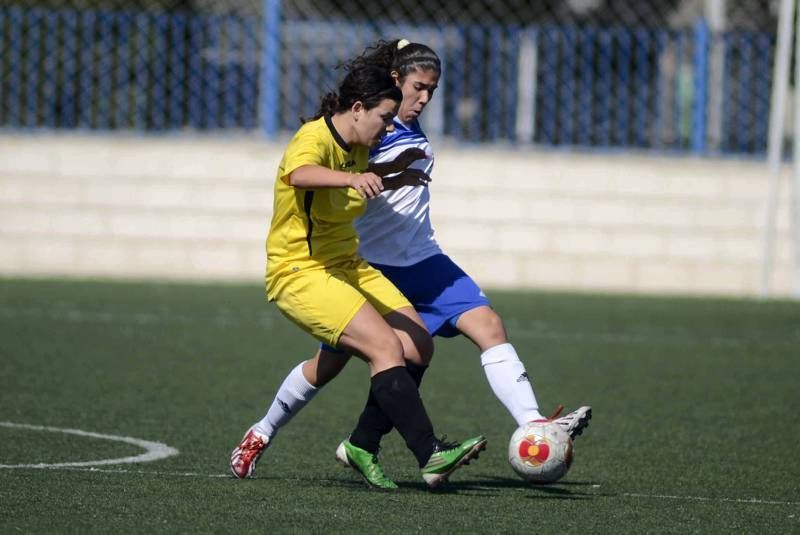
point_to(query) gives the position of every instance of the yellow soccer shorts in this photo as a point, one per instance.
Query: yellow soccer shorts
(323, 300)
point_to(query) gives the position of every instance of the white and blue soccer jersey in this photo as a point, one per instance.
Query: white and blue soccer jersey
(396, 229)
(396, 236)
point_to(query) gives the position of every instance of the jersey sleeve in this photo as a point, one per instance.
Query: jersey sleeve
(307, 148)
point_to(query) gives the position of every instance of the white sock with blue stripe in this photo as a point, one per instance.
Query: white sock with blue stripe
(510, 383)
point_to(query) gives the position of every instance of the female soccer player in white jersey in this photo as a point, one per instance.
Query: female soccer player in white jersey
(317, 280)
(397, 237)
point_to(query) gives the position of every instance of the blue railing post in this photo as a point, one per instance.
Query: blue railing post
(32, 93)
(14, 74)
(700, 105)
(269, 83)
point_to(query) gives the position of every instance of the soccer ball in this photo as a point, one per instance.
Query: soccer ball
(540, 452)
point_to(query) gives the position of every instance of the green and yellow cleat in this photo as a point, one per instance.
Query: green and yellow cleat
(448, 457)
(366, 464)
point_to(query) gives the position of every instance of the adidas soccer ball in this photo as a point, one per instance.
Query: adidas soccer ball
(540, 452)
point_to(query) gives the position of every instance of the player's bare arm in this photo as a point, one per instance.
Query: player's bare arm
(368, 185)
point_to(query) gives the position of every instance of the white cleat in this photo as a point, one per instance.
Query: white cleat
(573, 423)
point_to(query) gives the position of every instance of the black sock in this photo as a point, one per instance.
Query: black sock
(398, 397)
(416, 372)
(373, 422)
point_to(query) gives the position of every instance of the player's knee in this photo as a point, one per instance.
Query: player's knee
(494, 329)
(388, 348)
(418, 347)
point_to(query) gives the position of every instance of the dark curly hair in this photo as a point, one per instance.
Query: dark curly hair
(368, 84)
(398, 55)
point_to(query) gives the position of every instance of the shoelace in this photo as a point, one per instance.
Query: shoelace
(442, 444)
(252, 447)
(556, 412)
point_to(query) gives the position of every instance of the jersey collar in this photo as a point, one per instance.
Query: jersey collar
(339, 141)
(412, 125)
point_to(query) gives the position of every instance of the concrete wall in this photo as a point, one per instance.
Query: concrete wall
(197, 208)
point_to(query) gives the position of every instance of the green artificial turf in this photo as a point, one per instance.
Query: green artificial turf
(695, 416)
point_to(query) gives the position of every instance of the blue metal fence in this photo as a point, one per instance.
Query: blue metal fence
(101, 70)
(599, 87)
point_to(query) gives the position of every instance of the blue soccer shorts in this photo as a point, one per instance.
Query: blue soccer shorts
(439, 290)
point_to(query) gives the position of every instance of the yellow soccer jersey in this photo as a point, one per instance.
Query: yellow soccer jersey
(313, 227)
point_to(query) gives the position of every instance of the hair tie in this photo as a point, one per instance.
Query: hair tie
(401, 43)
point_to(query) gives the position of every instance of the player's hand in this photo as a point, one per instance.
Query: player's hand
(403, 160)
(368, 185)
(409, 177)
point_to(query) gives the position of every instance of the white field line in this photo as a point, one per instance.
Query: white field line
(112, 470)
(154, 451)
(532, 330)
(750, 501)
(538, 330)
(71, 313)
(756, 501)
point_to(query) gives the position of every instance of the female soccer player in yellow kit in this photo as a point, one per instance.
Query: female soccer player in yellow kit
(317, 280)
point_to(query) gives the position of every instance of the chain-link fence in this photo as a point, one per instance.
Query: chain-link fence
(685, 75)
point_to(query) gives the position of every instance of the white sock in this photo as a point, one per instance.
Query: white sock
(509, 381)
(294, 393)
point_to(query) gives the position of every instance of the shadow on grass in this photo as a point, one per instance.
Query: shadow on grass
(485, 486)
(565, 490)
